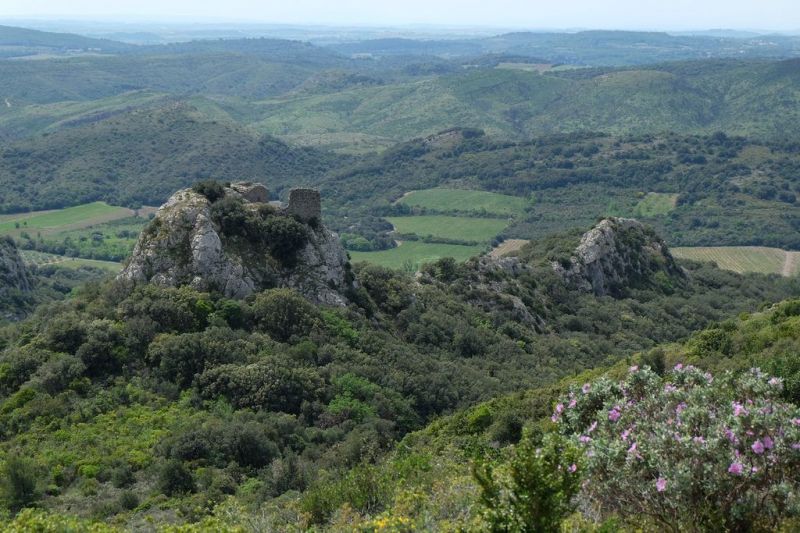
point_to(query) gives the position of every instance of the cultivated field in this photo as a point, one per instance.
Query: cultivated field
(410, 255)
(77, 217)
(445, 200)
(43, 259)
(656, 203)
(447, 227)
(745, 258)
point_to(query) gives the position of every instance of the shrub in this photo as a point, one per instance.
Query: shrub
(534, 491)
(175, 478)
(283, 313)
(284, 236)
(128, 500)
(687, 451)
(211, 189)
(19, 481)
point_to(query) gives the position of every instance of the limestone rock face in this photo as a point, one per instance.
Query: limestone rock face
(616, 254)
(13, 273)
(184, 245)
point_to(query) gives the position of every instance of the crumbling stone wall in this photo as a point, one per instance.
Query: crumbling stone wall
(252, 192)
(304, 204)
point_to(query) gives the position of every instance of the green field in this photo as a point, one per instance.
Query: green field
(655, 204)
(43, 259)
(447, 227)
(745, 258)
(410, 255)
(464, 200)
(60, 219)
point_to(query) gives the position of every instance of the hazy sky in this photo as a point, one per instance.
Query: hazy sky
(622, 14)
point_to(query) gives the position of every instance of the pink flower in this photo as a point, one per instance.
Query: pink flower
(679, 366)
(614, 415)
(796, 446)
(775, 382)
(554, 418)
(768, 444)
(796, 421)
(699, 440)
(592, 427)
(758, 447)
(572, 468)
(625, 434)
(559, 408)
(586, 387)
(632, 448)
(735, 468)
(634, 368)
(669, 387)
(754, 469)
(680, 408)
(729, 434)
(661, 484)
(738, 409)
(585, 439)
(572, 403)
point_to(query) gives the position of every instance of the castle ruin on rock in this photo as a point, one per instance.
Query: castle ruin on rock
(186, 244)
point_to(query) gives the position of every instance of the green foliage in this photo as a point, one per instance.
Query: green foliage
(20, 483)
(283, 314)
(212, 190)
(672, 451)
(174, 478)
(537, 490)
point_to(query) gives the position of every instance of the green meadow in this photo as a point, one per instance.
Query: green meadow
(410, 255)
(655, 204)
(59, 219)
(445, 200)
(449, 227)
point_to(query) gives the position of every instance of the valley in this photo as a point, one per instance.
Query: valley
(400, 278)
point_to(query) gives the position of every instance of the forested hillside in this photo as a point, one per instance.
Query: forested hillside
(161, 402)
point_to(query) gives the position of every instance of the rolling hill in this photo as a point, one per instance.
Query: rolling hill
(138, 157)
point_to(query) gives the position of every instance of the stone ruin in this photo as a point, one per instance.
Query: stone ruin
(252, 192)
(304, 203)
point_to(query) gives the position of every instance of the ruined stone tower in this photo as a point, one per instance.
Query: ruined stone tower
(304, 204)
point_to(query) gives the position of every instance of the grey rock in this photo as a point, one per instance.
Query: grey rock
(617, 253)
(184, 246)
(13, 273)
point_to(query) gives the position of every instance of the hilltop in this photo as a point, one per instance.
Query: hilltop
(232, 240)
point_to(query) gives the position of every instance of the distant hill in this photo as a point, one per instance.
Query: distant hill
(18, 42)
(739, 97)
(595, 48)
(141, 156)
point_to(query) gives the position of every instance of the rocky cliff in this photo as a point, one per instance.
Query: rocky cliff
(233, 241)
(15, 282)
(618, 253)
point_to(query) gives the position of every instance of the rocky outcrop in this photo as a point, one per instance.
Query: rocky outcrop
(618, 253)
(13, 273)
(237, 246)
(15, 282)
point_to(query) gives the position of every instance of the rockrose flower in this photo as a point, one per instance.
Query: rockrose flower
(614, 415)
(735, 468)
(758, 447)
(661, 484)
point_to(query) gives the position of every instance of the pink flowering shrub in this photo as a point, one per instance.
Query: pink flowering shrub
(687, 451)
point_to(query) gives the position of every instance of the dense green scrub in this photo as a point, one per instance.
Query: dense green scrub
(120, 404)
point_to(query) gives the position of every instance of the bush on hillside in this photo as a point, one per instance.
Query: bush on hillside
(687, 451)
